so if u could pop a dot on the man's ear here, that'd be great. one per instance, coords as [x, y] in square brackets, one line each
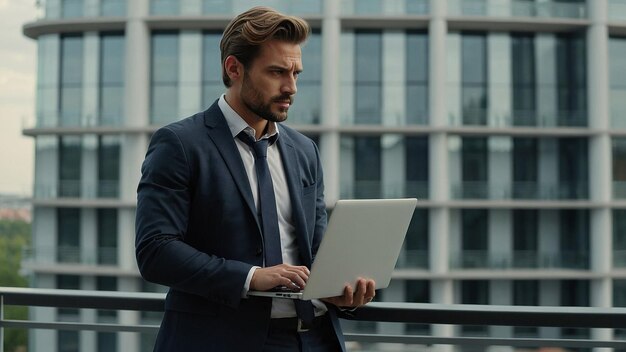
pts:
[233, 68]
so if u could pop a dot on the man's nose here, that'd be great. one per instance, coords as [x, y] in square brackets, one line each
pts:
[289, 86]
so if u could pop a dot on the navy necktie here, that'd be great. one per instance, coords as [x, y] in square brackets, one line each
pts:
[268, 215]
[267, 201]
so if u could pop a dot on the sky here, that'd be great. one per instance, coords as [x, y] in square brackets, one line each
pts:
[18, 70]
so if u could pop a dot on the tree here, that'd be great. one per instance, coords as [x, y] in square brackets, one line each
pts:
[14, 237]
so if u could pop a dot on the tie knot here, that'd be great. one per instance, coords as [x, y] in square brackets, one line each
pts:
[258, 147]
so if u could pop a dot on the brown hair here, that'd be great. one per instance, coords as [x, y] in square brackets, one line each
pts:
[244, 35]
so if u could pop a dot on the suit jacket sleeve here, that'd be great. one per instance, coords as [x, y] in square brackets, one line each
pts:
[163, 203]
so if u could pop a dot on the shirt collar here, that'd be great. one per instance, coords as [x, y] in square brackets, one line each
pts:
[236, 123]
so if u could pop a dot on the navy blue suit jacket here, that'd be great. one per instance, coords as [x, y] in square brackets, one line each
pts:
[196, 230]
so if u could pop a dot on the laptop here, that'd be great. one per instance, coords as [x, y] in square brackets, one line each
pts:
[363, 239]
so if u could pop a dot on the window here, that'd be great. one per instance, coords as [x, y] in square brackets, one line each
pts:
[71, 80]
[68, 236]
[70, 156]
[525, 293]
[474, 167]
[474, 292]
[525, 238]
[368, 77]
[165, 66]
[416, 163]
[307, 105]
[212, 84]
[573, 168]
[525, 168]
[474, 238]
[619, 238]
[417, 77]
[417, 291]
[574, 238]
[617, 76]
[523, 79]
[416, 242]
[111, 79]
[474, 78]
[72, 8]
[107, 236]
[367, 167]
[571, 79]
[108, 166]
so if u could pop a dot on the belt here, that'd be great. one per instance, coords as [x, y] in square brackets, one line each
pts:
[296, 324]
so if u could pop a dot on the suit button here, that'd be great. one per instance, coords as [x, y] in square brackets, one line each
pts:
[259, 251]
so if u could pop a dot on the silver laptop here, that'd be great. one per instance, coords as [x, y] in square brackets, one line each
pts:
[363, 239]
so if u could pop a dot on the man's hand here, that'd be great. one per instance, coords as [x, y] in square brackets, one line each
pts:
[365, 292]
[292, 277]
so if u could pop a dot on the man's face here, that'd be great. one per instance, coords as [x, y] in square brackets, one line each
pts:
[269, 84]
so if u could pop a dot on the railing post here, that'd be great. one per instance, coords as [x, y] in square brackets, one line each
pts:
[1, 323]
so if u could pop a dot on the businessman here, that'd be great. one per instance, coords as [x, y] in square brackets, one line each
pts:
[230, 200]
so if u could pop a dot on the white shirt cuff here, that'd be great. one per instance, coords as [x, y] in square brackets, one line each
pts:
[246, 286]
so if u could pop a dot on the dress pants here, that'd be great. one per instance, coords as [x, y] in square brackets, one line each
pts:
[320, 338]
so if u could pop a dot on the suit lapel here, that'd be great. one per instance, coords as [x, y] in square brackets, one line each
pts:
[292, 174]
[223, 139]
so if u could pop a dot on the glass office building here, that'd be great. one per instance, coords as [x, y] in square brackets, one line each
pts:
[506, 118]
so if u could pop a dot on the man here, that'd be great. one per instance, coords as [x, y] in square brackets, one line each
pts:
[211, 227]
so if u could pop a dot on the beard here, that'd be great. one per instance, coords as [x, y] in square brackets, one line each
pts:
[253, 99]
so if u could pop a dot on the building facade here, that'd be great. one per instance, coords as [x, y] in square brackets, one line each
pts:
[506, 118]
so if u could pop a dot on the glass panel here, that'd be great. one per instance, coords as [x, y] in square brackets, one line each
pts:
[416, 163]
[368, 77]
[112, 79]
[417, 291]
[107, 237]
[474, 167]
[523, 77]
[573, 168]
[571, 80]
[71, 80]
[165, 66]
[525, 168]
[415, 254]
[70, 156]
[108, 166]
[474, 292]
[68, 236]
[212, 85]
[367, 167]
[308, 101]
[619, 238]
[113, 8]
[619, 168]
[574, 238]
[72, 8]
[68, 341]
[617, 76]
[617, 10]
[474, 78]
[525, 238]
[525, 293]
[165, 7]
[417, 77]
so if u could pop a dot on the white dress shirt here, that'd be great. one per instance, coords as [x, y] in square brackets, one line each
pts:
[281, 308]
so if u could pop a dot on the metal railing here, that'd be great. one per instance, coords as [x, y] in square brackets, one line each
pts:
[420, 313]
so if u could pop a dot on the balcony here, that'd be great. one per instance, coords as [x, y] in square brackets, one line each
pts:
[520, 190]
[50, 9]
[376, 189]
[75, 189]
[518, 8]
[483, 316]
[479, 259]
[68, 255]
